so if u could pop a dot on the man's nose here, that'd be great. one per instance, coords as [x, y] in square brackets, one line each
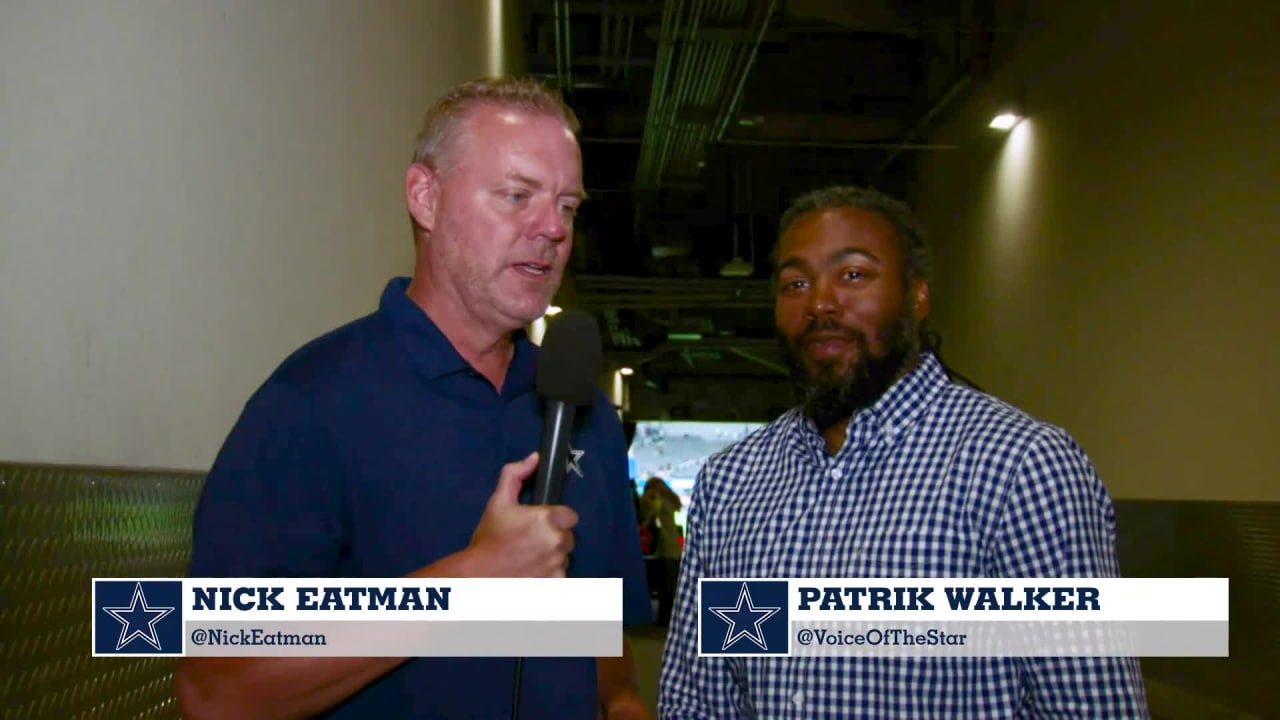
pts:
[551, 222]
[822, 299]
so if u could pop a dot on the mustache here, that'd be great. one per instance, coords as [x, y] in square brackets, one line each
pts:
[828, 327]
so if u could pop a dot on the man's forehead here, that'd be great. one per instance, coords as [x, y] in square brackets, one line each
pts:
[838, 225]
[842, 219]
[499, 118]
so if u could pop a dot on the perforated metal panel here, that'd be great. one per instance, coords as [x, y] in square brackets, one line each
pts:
[1240, 541]
[59, 528]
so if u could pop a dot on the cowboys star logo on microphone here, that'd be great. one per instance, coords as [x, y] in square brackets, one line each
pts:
[743, 617]
[574, 457]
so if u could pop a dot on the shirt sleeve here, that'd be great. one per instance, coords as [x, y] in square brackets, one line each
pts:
[692, 687]
[1059, 521]
[271, 505]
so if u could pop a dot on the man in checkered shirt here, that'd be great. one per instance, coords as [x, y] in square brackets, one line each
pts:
[887, 469]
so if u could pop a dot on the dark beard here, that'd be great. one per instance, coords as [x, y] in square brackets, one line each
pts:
[833, 393]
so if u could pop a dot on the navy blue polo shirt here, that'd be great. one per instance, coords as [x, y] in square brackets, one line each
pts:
[371, 452]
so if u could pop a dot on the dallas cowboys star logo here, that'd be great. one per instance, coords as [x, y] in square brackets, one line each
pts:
[744, 620]
[138, 620]
[574, 457]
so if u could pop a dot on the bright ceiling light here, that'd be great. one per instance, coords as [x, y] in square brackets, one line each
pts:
[625, 371]
[1005, 121]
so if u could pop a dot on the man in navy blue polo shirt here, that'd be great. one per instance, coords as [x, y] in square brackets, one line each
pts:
[398, 445]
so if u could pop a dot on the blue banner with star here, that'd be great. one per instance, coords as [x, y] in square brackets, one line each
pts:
[137, 617]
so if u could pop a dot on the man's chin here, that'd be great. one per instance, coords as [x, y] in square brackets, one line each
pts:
[520, 315]
[526, 305]
[827, 371]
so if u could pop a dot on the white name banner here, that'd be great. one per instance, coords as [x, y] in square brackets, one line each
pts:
[973, 617]
[388, 617]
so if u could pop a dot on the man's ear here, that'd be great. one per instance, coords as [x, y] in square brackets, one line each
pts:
[422, 194]
[920, 301]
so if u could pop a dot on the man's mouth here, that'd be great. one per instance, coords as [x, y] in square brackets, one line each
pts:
[822, 349]
[533, 269]
[825, 344]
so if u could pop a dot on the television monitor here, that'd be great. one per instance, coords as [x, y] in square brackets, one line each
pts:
[676, 451]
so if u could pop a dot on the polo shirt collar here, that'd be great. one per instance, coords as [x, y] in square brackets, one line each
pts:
[431, 352]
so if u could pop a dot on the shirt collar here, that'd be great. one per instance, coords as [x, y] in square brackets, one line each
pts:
[432, 353]
[896, 410]
[908, 398]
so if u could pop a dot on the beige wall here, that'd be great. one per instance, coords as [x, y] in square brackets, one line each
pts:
[188, 191]
[1111, 266]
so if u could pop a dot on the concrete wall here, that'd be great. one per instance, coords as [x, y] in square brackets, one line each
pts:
[1110, 265]
[188, 191]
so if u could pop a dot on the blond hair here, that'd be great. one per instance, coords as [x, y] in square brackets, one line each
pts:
[437, 140]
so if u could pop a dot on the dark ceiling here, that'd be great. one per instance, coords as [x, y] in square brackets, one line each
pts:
[703, 119]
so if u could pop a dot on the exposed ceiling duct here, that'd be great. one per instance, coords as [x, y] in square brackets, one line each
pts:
[597, 292]
[705, 52]
[703, 119]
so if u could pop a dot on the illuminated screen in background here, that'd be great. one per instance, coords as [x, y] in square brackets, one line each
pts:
[675, 451]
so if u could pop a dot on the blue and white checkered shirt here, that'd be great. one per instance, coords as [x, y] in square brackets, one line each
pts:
[934, 480]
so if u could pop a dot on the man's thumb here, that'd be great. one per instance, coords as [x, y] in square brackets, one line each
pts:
[512, 478]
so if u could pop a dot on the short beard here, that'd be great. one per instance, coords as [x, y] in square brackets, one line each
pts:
[832, 394]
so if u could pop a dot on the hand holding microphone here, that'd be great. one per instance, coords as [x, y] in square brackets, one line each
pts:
[514, 540]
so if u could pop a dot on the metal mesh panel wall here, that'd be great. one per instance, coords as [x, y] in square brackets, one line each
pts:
[1237, 540]
[62, 526]
[59, 528]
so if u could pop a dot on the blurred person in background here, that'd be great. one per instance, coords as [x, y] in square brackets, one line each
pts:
[658, 508]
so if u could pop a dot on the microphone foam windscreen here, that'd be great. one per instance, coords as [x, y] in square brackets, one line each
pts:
[569, 360]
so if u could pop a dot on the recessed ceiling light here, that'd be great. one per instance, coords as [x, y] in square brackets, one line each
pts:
[1005, 121]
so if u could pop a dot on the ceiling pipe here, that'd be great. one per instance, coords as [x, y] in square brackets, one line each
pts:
[656, 116]
[591, 303]
[730, 109]
[670, 297]
[836, 145]
[691, 72]
[817, 144]
[559, 42]
[568, 49]
[956, 88]
[777, 367]
[676, 290]
[754, 351]
[611, 280]
[659, 291]
[734, 53]
[626, 55]
[607, 27]
[683, 73]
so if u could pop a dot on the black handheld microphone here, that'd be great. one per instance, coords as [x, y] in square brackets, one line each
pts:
[568, 365]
